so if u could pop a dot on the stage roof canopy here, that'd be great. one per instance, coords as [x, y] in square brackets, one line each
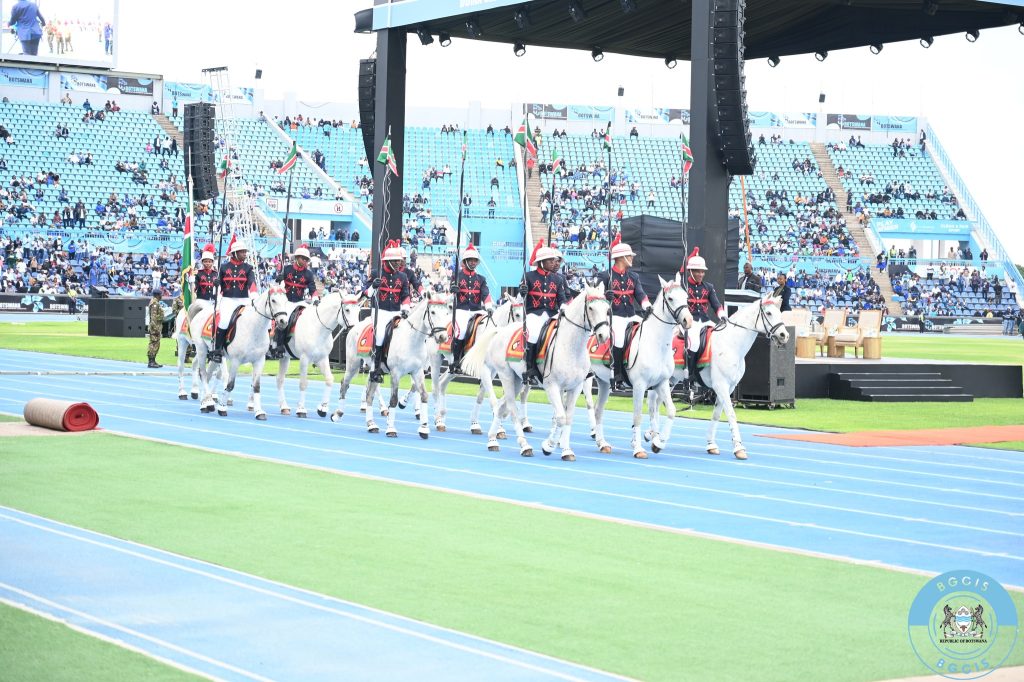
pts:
[661, 28]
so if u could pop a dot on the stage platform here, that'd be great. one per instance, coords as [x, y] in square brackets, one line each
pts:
[816, 377]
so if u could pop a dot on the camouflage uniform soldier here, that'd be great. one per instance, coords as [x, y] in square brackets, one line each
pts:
[156, 327]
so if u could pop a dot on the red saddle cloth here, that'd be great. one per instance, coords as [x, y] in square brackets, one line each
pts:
[514, 350]
[703, 350]
[364, 345]
[474, 326]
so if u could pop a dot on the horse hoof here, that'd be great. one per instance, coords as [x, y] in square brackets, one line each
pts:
[545, 450]
[373, 429]
[568, 457]
[606, 449]
[528, 452]
[640, 454]
[384, 412]
[362, 408]
[740, 454]
[528, 428]
[593, 435]
[182, 396]
[647, 437]
[301, 415]
[222, 413]
[321, 413]
[262, 416]
[501, 435]
[195, 396]
[424, 434]
[285, 411]
[441, 427]
[391, 434]
[416, 414]
[655, 448]
[336, 416]
[493, 447]
[402, 404]
[713, 450]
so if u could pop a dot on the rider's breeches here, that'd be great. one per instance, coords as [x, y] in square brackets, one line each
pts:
[534, 321]
[226, 307]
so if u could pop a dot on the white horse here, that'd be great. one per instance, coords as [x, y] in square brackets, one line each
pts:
[510, 312]
[312, 341]
[183, 339]
[250, 345]
[566, 366]
[410, 349]
[649, 365]
[729, 348]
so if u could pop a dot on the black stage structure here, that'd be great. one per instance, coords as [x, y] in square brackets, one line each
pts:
[691, 30]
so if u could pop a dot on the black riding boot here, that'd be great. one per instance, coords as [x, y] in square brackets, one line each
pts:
[217, 354]
[458, 349]
[532, 376]
[153, 363]
[377, 372]
[276, 351]
[619, 382]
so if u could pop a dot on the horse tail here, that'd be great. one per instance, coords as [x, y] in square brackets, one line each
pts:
[473, 361]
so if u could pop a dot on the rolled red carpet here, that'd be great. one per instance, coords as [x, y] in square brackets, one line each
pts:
[61, 415]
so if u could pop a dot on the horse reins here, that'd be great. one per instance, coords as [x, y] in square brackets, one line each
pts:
[587, 326]
[769, 329]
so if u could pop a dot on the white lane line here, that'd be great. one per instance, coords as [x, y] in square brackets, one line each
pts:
[134, 633]
[83, 535]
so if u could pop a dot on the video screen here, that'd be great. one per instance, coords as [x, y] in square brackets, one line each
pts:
[75, 32]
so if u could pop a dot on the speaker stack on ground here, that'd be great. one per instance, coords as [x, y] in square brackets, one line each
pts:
[120, 316]
[367, 99]
[730, 122]
[200, 147]
[770, 377]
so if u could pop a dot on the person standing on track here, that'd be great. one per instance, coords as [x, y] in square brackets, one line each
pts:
[156, 327]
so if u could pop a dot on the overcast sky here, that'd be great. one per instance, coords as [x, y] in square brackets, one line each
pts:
[972, 94]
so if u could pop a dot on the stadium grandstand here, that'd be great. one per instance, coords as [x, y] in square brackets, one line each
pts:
[855, 224]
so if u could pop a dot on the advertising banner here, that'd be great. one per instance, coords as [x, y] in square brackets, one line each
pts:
[660, 115]
[914, 323]
[591, 113]
[923, 229]
[36, 303]
[764, 119]
[310, 207]
[22, 78]
[238, 96]
[187, 92]
[802, 120]
[548, 112]
[848, 122]
[114, 85]
[894, 124]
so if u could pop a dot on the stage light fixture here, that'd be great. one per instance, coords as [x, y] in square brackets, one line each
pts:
[927, 41]
[930, 7]
[522, 19]
[473, 27]
[773, 61]
[444, 39]
[576, 11]
[628, 6]
[821, 55]
[972, 35]
[876, 48]
[597, 54]
[519, 48]
[424, 35]
[670, 62]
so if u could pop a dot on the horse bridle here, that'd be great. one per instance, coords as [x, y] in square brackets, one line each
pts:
[270, 309]
[587, 325]
[426, 315]
[673, 312]
[769, 329]
[345, 326]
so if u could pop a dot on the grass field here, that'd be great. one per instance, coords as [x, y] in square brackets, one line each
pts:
[620, 598]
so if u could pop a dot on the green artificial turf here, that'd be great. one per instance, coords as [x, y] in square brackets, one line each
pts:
[37, 648]
[1017, 445]
[997, 350]
[649, 604]
[10, 418]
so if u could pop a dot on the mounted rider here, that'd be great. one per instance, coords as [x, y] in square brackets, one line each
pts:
[204, 284]
[237, 282]
[544, 291]
[390, 292]
[701, 296]
[299, 284]
[624, 291]
[472, 298]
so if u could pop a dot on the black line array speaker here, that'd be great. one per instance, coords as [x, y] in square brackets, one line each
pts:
[200, 148]
[770, 376]
[658, 244]
[732, 253]
[367, 100]
[119, 316]
[730, 120]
